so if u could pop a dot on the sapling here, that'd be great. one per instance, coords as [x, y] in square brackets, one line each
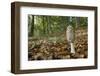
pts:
[70, 37]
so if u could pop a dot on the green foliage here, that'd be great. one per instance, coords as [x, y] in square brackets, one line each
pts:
[52, 26]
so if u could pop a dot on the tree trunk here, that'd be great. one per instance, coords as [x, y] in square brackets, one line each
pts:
[32, 27]
[77, 22]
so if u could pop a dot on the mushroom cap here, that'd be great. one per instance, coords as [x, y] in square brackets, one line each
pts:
[70, 34]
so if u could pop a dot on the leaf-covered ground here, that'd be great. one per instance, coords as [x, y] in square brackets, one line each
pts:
[48, 49]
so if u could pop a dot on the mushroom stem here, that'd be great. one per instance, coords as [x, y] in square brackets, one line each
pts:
[72, 48]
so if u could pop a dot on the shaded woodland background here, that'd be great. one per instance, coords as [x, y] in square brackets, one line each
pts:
[47, 37]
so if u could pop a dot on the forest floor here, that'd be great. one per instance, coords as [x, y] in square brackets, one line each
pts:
[46, 49]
